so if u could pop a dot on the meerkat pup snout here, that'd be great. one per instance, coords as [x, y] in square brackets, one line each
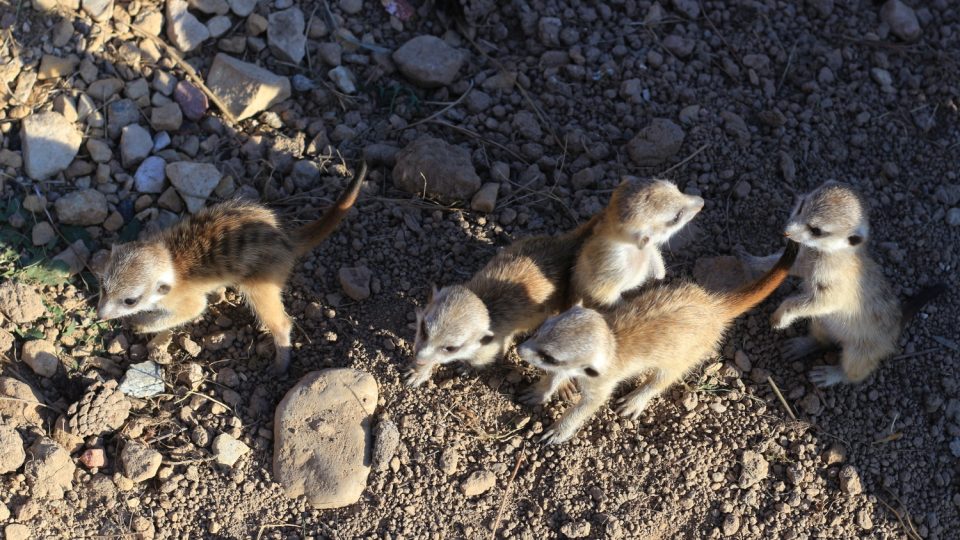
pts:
[844, 293]
[623, 252]
[476, 322]
[161, 282]
[663, 332]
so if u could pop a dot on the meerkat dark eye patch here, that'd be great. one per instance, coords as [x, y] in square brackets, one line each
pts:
[676, 218]
[163, 288]
[547, 359]
[485, 340]
[855, 240]
[591, 372]
[131, 301]
[423, 329]
[816, 231]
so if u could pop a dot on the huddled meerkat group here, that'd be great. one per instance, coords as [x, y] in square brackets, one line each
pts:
[590, 301]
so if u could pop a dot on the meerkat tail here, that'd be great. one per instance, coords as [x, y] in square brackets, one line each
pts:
[914, 304]
[745, 298]
[312, 234]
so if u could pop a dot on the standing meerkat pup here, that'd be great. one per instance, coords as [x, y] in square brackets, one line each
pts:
[623, 252]
[518, 289]
[844, 292]
[666, 330]
[162, 282]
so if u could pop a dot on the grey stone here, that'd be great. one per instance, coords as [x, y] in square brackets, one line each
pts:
[386, 438]
[194, 182]
[246, 89]
[167, 117]
[150, 175]
[428, 61]
[143, 380]
[227, 450]
[12, 455]
[432, 166]
[41, 356]
[99, 10]
[286, 35]
[50, 470]
[139, 462]
[83, 207]
[485, 199]
[20, 303]
[242, 8]
[120, 114]
[355, 281]
[901, 19]
[184, 30]
[49, 142]
[135, 144]
[656, 143]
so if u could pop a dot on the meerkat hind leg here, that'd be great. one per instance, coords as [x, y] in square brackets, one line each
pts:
[634, 403]
[266, 300]
[797, 348]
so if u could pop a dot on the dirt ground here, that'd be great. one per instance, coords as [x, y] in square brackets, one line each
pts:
[773, 97]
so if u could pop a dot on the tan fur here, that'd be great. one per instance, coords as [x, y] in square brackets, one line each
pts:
[623, 252]
[665, 331]
[513, 293]
[161, 282]
[844, 292]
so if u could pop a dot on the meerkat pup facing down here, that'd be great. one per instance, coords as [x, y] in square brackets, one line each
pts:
[623, 252]
[162, 282]
[476, 322]
[844, 292]
[665, 331]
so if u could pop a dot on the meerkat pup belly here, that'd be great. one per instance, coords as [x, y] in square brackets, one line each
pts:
[623, 252]
[662, 333]
[844, 293]
[476, 322]
[161, 282]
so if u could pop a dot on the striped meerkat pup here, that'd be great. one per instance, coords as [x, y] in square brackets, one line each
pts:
[623, 252]
[162, 282]
[665, 331]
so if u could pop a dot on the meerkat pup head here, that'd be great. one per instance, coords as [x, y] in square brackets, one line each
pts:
[137, 276]
[652, 211]
[571, 343]
[454, 325]
[833, 217]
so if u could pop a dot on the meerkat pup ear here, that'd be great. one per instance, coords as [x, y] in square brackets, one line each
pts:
[433, 292]
[163, 289]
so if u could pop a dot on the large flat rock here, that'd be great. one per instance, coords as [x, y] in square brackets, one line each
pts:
[244, 88]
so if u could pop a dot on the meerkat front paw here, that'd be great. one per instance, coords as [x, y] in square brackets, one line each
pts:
[826, 376]
[558, 433]
[799, 347]
[534, 396]
[281, 362]
[632, 406]
[781, 320]
[418, 375]
[568, 392]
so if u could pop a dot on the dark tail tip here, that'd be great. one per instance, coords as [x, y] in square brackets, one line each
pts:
[914, 304]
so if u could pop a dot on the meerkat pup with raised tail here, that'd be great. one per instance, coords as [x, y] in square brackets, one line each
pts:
[844, 292]
[623, 252]
[162, 282]
[476, 322]
[665, 331]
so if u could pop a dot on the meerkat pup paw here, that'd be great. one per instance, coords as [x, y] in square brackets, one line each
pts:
[826, 376]
[558, 433]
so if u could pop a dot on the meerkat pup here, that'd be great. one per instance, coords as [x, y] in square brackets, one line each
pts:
[623, 252]
[844, 292]
[161, 282]
[665, 331]
[476, 322]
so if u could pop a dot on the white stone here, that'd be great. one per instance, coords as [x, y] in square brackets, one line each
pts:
[82, 207]
[194, 182]
[143, 380]
[50, 143]
[286, 35]
[228, 450]
[183, 29]
[150, 175]
[244, 88]
[135, 144]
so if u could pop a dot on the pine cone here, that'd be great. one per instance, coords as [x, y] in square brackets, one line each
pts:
[102, 409]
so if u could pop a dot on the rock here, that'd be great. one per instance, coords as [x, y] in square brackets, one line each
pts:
[386, 438]
[548, 29]
[242, 8]
[219, 25]
[50, 470]
[62, 33]
[788, 168]
[735, 125]
[355, 281]
[742, 361]
[12, 455]
[656, 143]
[193, 102]
[835, 454]
[901, 19]
[6, 341]
[953, 217]
[49, 142]
[449, 461]
[135, 144]
[428, 61]
[344, 79]
[244, 88]
[99, 10]
[850, 480]
[811, 404]
[184, 30]
[99, 150]
[94, 458]
[54, 67]
[167, 117]
[150, 175]
[150, 20]
[485, 199]
[194, 182]
[576, 529]
[322, 437]
[104, 89]
[25, 406]
[20, 303]
[477, 483]
[881, 77]
[731, 524]
[330, 53]
[955, 447]
[754, 469]
[139, 462]
[16, 531]
[143, 380]
[210, 7]
[121, 113]
[680, 47]
[41, 356]
[690, 8]
[191, 376]
[286, 35]
[83, 207]
[227, 450]
[74, 257]
[432, 166]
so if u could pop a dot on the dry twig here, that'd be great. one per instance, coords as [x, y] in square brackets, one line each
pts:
[776, 391]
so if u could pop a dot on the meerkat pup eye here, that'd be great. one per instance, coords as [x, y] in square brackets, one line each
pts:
[131, 301]
[815, 231]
